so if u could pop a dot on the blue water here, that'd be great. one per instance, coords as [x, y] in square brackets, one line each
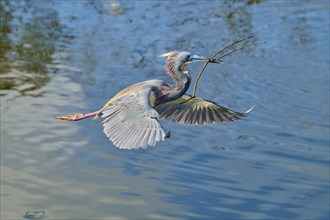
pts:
[60, 57]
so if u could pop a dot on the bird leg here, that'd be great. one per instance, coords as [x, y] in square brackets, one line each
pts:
[76, 116]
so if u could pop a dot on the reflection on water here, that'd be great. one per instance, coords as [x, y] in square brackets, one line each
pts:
[30, 36]
[239, 19]
[61, 57]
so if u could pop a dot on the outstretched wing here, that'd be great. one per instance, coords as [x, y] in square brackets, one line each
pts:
[131, 122]
[188, 110]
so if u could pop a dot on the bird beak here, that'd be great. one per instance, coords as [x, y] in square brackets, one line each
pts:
[195, 58]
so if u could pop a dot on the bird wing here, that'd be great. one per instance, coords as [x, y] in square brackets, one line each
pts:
[188, 110]
[131, 122]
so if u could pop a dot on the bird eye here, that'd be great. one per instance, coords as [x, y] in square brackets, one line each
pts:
[187, 57]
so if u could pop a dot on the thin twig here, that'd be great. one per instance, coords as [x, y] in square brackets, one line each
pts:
[240, 48]
[212, 57]
[199, 76]
[195, 86]
[217, 53]
[232, 44]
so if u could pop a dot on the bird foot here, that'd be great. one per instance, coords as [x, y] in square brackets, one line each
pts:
[168, 135]
[71, 117]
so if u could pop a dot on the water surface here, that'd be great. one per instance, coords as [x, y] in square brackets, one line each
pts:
[61, 57]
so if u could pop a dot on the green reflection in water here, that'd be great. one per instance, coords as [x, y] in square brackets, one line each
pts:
[5, 43]
[239, 18]
[30, 36]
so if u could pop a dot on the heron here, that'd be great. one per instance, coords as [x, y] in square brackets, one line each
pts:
[132, 116]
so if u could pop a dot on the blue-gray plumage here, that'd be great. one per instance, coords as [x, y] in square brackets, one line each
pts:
[132, 116]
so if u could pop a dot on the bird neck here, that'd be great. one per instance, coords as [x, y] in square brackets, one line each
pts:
[182, 81]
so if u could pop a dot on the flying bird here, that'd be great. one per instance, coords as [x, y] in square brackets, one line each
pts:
[132, 116]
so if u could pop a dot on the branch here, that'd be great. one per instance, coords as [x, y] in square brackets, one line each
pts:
[213, 59]
[240, 48]
[232, 44]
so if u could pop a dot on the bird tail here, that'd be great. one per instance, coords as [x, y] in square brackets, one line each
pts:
[76, 116]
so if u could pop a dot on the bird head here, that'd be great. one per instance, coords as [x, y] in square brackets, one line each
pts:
[182, 58]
